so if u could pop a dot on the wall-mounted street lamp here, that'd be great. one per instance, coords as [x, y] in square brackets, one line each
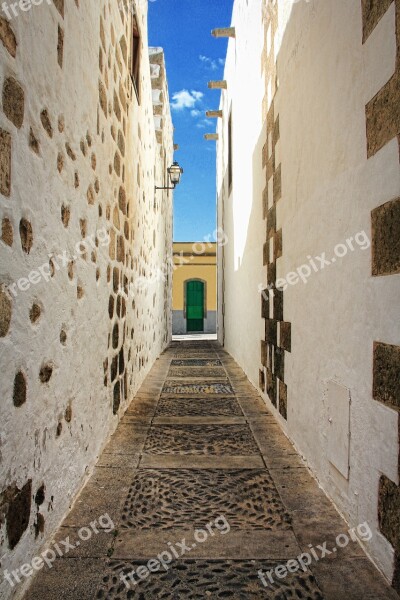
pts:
[175, 173]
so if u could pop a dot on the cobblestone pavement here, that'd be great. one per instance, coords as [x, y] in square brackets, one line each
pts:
[208, 499]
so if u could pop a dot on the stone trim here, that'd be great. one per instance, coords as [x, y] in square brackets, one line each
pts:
[382, 111]
[386, 238]
[382, 125]
[277, 331]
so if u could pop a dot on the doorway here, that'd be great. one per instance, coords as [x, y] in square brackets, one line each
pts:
[195, 305]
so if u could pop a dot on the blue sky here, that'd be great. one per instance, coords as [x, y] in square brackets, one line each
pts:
[193, 57]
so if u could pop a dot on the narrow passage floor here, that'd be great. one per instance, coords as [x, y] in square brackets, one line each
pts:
[206, 498]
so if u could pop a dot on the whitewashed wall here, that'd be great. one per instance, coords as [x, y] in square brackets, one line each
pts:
[92, 174]
[325, 78]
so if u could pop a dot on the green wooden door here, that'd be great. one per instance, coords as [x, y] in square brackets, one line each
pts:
[195, 305]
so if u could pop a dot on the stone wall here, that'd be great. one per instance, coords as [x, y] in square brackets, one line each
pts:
[316, 174]
[81, 231]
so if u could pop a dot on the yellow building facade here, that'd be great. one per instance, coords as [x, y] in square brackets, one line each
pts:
[194, 299]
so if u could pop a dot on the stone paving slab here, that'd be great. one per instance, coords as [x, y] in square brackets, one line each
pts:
[159, 461]
[103, 494]
[216, 420]
[197, 373]
[68, 579]
[276, 545]
[200, 439]
[206, 579]
[161, 499]
[182, 407]
[189, 453]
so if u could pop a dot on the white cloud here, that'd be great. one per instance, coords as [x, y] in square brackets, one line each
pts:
[185, 99]
[204, 123]
[195, 112]
[209, 62]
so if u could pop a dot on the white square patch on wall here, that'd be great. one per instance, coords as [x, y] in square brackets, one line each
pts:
[339, 401]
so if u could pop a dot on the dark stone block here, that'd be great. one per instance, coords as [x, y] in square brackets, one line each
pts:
[271, 222]
[386, 374]
[13, 101]
[271, 331]
[383, 115]
[111, 307]
[271, 387]
[117, 397]
[283, 399]
[277, 184]
[279, 363]
[261, 380]
[264, 353]
[115, 336]
[266, 254]
[372, 12]
[396, 575]
[265, 202]
[271, 273]
[386, 238]
[16, 504]
[278, 244]
[19, 395]
[286, 336]
[278, 304]
[265, 304]
[121, 361]
[114, 368]
[389, 511]
[270, 351]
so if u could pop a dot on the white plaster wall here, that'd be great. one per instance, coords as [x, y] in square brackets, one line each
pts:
[329, 188]
[240, 214]
[29, 448]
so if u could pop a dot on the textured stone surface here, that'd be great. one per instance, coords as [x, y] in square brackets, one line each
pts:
[7, 232]
[15, 507]
[176, 387]
[5, 162]
[386, 238]
[59, 403]
[7, 37]
[386, 374]
[197, 579]
[164, 499]
[270, 514]
[373, 11]
[198, 439]
[13, 101]
[181, 407]
[389, 514]
[5, 312]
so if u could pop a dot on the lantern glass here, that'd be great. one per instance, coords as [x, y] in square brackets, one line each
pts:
[175, 172]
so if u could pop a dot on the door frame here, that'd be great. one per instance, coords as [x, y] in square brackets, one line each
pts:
[185, 297]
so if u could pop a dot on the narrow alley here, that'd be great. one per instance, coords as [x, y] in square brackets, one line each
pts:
[204, 495]
[199, 299]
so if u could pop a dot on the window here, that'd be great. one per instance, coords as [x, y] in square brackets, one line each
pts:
[135, 56]
[230, 172]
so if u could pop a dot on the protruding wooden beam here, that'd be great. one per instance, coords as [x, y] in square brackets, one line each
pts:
[211, 137]
[176, 147]
[217, 85]
[223, 32]
[214, 114]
